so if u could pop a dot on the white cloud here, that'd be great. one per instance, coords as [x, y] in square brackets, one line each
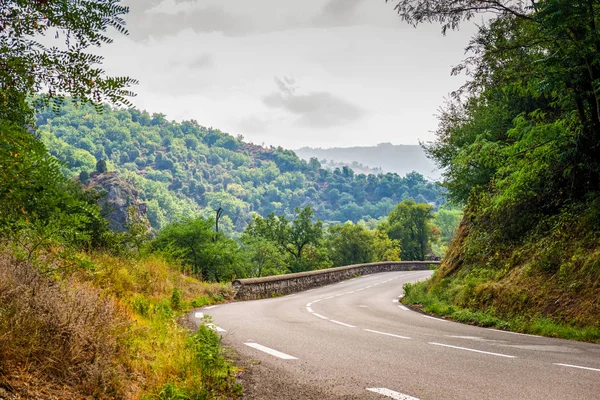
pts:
[360, 77]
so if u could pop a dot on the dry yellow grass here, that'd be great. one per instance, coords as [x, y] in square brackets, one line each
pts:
[102, 326]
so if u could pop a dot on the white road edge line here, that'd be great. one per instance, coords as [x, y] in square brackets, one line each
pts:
[215, 328]
[270, 351]
[342, 323]
[309, 309]
[512, 333]
[473, 350]
[577, 366]
[395, 301]
[404, 308]
[388, 334]
[391, 394]
[437, 319]
[209, 307]
[320, 316]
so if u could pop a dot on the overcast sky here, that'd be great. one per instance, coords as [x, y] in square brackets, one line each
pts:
[319, 73]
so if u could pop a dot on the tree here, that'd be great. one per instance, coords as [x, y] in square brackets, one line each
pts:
[528, 120]
[101, 166]
[138, 228]
[192, 241]
[49, 206]
[350, 244]
[264, 256]
[292, 237]
[410, 224]
[384, 248]
[84, 176]
[29, 66]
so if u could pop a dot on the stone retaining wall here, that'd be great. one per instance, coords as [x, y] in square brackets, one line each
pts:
[277, 285]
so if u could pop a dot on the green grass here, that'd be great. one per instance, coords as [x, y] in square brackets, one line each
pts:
[439, 303]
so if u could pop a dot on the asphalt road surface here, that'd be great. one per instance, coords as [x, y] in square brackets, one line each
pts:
[353, 340]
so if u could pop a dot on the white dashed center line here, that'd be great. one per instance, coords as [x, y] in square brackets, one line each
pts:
[577, 366]
[391, 394]
[209, 307]
[198, 315]
[473, 350]
[388, 334]
[342, 323]
[271, 351]
[404, 308]
[310, 310]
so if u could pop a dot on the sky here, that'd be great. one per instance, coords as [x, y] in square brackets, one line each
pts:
[318, 73]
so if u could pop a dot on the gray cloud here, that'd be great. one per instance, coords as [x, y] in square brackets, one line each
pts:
[314, 109]
[203, 61]
[161, 18]
[338, 13]
[211, 18]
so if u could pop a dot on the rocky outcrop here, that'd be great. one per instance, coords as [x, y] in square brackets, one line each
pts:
[118, 196]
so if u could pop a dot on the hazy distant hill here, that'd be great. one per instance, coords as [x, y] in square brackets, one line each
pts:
[400, 159]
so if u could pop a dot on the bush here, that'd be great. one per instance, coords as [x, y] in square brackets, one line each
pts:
[68, 333]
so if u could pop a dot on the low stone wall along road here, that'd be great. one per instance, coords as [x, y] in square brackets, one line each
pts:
[277, 285]
[354, 340]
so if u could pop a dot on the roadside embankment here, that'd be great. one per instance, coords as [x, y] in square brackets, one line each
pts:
[271, 286]
[547, 284]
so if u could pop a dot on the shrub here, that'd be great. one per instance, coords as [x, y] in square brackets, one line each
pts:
[66, 332]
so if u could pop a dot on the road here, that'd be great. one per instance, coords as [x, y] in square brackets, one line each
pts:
[353, 340]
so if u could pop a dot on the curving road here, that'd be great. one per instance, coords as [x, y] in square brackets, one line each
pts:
[353, 340]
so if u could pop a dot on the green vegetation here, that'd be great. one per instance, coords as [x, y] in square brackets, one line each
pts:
[519, 144]
[441, 300]
[90, 307]
[185, 170]
[84, 312]
[209, 255]
[410, 224]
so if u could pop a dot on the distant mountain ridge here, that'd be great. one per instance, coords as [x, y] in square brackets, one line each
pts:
[400, 159]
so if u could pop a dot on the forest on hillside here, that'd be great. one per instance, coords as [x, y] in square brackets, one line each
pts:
[182, 169]
[520, 146]
[92, 309]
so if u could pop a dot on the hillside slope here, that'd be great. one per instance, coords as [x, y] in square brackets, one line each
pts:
[546, 283]
[185, 169]
[520, 144]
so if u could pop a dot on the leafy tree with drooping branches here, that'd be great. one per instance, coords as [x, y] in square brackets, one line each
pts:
[34, 195]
